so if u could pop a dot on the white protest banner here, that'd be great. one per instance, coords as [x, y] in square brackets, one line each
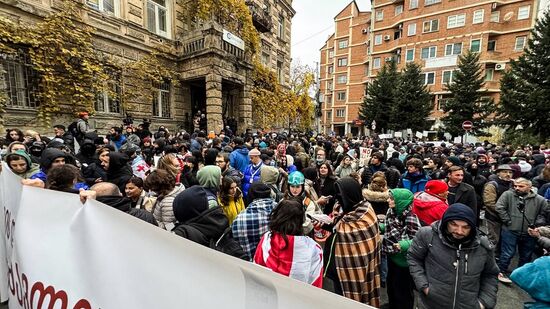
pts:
[418, 134]
[385, 136]
[63, 254]
[364, 156]
[398, 134]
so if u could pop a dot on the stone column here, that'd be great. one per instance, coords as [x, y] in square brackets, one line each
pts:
[245, 110]
[214, 102]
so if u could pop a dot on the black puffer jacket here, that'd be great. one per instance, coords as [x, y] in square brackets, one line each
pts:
[196, 221]
[432, 259]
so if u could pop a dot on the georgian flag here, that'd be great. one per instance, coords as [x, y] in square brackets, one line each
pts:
[301, 259]
[140, 168]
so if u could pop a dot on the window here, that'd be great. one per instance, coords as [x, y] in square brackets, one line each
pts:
[341, 112]
[428, 2]
[342, 62]
[280, 72]
[447, 77]
[453, 49]
[478, 16]
[411, 30]
[265, 59]
[329, 115]
[455, 21]
[409, 55]
[520, 43]
[281, 29]
[378, 39]
[108, 100]
[107, 6]
[399, 9]
[329, 99]
[491, 45]
[413, 4]
[330, 69]
[523, 12]
[342, 79]
[429, 78]
[329, 85]
[157, 17]
[341, 96]
[161, 101]
[19, 81]
[331, 54]
[489, 73]
[430, 26]
[376, 63]
[441, 102]
[428, 52]
[379, 15]
[343, 44]
[495, 16]
[475, 45]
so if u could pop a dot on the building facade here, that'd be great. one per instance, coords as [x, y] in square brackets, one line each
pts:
[344, 70]
[434, 33]
[214, 70]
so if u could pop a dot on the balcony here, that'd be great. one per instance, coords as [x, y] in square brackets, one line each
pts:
[260, 17]
[209, 39]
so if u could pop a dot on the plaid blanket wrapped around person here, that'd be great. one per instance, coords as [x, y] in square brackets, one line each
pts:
[357, 255]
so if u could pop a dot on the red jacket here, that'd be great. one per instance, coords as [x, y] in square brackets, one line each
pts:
[428, 208]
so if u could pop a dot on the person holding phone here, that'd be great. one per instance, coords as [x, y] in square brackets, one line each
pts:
[324, 185]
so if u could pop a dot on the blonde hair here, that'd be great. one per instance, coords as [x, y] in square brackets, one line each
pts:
[165, 163]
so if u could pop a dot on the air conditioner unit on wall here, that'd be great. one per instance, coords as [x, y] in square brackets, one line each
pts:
[387, 38]
[500, 66]
[388, 59]
[365, 30]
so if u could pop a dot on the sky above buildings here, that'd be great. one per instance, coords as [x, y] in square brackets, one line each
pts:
[313, 24]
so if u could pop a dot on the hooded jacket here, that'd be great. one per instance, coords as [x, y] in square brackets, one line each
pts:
[124, 204]
[209, 178]
[48, 156]
[86, 154]
[239, 158]
[401, 227]
[196, 221]
[32, 168]
[415, 183]
[538, 166]
[458, 275]
[428, 208]
[119, 171]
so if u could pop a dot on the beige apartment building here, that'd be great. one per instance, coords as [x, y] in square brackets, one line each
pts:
[434, 33]
[213, 65]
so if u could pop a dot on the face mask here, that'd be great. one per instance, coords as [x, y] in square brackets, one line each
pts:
[319, 161]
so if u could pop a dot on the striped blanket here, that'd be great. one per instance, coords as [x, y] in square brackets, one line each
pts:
[357, 255]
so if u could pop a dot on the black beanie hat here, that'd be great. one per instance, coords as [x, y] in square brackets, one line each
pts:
[459, 211]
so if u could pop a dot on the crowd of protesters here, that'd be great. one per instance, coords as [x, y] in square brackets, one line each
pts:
[443, 220]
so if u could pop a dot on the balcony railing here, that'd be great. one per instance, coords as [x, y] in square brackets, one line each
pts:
[208, 39]
[260, 17]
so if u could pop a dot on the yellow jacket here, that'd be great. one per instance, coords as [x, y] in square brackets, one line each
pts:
[233, 208]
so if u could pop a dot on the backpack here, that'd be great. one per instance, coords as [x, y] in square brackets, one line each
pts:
[278, 194]
[73, 129]
[228, 245]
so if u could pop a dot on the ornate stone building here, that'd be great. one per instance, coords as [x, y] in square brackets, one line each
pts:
[215, 70]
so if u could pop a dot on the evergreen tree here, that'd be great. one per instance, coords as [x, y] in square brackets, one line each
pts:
[525, 89]
[380, 99]
[412, 103]
[467, 102]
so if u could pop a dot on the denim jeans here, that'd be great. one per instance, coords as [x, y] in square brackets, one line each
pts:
[508, 242]
[383, 267]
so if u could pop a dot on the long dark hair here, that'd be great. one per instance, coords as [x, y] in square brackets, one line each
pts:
[287, 219]
[330, 173]
[227, 181]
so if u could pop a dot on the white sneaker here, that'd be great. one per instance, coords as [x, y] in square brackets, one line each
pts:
[504, 279]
